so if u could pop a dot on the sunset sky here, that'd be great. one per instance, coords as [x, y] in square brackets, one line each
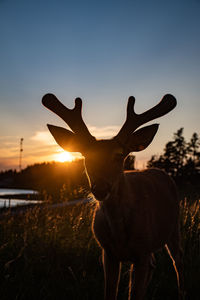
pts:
[102, 51]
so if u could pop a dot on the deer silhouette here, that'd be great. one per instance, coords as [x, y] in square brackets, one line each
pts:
[137, 212]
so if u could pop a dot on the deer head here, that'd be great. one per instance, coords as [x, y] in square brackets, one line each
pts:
[104, 158]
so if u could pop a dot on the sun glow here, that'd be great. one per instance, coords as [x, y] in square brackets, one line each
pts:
[64, 157]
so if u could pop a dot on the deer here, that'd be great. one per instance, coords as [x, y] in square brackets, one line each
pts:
[137, 212]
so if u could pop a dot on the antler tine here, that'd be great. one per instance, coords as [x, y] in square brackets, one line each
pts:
[133, 120]
[72, 117]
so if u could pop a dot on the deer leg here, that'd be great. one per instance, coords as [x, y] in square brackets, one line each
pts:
[175, 252]
[140, 278]
[111, 276]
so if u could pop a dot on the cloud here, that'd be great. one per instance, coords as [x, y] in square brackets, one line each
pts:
[38, 148]
[43, 137]
[5, 137]
[9, 146]
[41, 146]
[104, 132]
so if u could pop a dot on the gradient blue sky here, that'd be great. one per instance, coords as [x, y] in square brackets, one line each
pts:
[103, 52]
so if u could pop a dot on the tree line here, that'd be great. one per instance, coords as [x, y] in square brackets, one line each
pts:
[60, 181]
[180, 159]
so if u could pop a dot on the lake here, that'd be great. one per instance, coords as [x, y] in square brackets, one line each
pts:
[11, 202]
[16, 192]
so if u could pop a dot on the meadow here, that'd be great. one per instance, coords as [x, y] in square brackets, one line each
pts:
[52, 254]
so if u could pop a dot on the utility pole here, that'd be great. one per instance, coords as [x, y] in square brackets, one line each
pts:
[20, 154]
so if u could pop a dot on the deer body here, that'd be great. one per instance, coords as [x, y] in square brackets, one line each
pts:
[137, 212]
[137, 224]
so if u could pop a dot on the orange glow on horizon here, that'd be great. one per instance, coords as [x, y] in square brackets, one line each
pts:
[64, 157]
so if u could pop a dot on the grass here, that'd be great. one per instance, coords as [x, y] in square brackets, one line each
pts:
[51, 254]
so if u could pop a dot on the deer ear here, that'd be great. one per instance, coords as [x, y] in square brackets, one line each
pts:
[141, 138]
[65, 138]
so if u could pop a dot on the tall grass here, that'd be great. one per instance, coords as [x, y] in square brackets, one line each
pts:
[164, 284]
[51, 254]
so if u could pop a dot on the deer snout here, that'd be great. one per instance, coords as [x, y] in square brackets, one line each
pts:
[101, 190]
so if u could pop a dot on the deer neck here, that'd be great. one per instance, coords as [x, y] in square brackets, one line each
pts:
[114, 199]
[113, 211]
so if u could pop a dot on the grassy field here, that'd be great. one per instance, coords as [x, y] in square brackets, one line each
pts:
[51, 254]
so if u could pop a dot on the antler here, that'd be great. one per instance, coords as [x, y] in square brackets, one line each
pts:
[72, 117]
[133, 120]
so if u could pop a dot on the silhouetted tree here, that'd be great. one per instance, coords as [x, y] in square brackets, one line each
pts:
[180, 159]
[193, 153]
[193, 148]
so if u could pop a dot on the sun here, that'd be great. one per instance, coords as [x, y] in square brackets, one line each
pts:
[64, 157]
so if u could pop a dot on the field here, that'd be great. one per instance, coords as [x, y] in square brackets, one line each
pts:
[51, 254]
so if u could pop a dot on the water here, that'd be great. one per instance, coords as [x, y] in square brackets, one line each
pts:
[11, 202]
[15, 192]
